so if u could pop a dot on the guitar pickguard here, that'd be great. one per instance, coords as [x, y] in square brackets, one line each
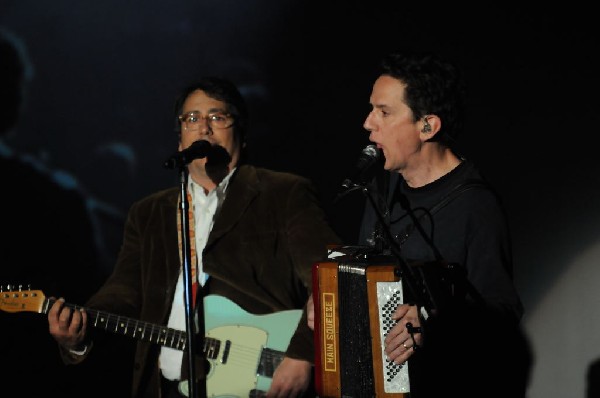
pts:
[235, 370]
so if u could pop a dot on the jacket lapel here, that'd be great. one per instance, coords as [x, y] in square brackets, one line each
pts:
[243, 188]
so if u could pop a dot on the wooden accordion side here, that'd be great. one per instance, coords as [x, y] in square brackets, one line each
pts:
[354, 301]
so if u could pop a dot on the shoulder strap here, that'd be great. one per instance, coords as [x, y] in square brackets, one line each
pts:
[457, 191]
[450, 196]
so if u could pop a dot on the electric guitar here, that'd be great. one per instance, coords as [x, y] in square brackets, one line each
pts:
[242, 349]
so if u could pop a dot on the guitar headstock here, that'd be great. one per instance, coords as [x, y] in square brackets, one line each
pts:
[19, 300]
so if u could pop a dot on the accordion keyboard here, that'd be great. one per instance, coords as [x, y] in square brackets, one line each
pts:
[389, 296]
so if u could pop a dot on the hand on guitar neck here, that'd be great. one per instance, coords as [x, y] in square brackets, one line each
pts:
[68, 326]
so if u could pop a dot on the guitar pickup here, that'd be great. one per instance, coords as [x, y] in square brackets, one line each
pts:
[213, 346]
[226, 351]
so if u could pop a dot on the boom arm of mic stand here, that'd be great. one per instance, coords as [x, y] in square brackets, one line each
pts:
[187, 284]
[407, 273]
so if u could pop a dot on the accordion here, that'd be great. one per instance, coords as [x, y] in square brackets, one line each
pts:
[354, 300]
[355, 294]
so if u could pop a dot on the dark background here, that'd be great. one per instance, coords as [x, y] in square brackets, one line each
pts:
[106, 75]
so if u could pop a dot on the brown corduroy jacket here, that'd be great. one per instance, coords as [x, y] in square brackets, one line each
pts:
[268, 234]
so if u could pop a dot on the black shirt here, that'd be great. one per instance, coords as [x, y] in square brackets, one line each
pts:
[469, 229]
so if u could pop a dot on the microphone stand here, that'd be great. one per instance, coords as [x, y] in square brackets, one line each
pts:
[188, 284]
[406, 271]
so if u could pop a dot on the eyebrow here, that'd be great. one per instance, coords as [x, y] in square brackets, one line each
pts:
[212, 110]
[381, 106]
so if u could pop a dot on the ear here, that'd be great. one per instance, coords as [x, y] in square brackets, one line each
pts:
[430, 125]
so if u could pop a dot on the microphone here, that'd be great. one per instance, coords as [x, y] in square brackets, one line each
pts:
[198, 150]
[368, 157]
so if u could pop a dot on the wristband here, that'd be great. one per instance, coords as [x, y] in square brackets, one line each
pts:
[79, 352]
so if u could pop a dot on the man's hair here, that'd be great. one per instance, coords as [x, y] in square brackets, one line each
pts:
[432, 86]
[15, 72]
[222, 90]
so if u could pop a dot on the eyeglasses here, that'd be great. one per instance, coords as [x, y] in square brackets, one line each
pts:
[216, 120]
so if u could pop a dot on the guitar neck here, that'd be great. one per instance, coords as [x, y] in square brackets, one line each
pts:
[136, 329]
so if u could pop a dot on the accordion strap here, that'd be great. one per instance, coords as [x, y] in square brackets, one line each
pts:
[449, 197]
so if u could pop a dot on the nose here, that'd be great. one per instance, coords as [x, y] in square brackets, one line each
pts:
[205, 127]
[367, 124]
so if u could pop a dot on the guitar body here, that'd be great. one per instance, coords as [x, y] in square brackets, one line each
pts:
[236, 372]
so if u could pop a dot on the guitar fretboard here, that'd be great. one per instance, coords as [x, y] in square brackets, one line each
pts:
[140, 330]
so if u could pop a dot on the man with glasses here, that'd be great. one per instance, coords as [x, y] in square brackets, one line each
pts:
[254, 236]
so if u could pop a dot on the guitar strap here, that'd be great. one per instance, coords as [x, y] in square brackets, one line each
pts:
[192, 233]
[194, 271]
